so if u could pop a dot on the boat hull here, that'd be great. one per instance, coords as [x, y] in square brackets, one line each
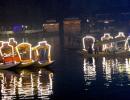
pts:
[8, 66]
[37, 64]
[24, 65]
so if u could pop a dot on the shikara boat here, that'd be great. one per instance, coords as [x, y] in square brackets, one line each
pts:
[25, 54]
[7, 55]
[42, 54]
[13, 43]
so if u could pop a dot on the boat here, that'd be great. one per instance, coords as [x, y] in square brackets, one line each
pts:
[25, 54]
[7, 54]
[13, 43]
[106, 47]
[42, 54]
[88, 41]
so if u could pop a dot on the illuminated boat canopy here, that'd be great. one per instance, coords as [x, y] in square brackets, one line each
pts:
[24, 51]
[12, 42]
[88, 37]
[120, 35]
[44, 45]
[9, 49]
[106, 36]
[127, 43]
[106, 46]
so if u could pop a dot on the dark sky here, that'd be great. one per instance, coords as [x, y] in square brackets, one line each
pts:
[36, 10]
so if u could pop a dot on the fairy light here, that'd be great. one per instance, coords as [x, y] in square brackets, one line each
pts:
[12, 42]
[120, 35]
[106, 36]
[6, 44]
[127, 45]
[88, 37]
[44, 44]
[21, 45]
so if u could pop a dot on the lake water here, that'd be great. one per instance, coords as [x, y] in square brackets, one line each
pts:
[71, 77]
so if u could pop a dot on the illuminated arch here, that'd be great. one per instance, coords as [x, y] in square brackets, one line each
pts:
[30, 50]
[41, 44]
[88, 37]
[120, 35]
[127, 45]
[6, 43]
[12, 40]
[106, 36]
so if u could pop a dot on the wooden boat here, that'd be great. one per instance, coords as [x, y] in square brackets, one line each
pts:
[42, 54]
[25, 54]
[7, 54]
[13, 43]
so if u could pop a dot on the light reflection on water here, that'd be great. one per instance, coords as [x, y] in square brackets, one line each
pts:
[110, 72]
[26, 84]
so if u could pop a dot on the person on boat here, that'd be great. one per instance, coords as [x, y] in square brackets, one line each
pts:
[43, 55]
[90, 50]
[96, 49]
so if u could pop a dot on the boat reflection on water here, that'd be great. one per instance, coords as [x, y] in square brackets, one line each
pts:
[26, 84]
[116, 71]
[107, 72]
[89, 70]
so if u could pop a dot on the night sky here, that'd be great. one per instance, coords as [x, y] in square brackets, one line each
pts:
[29, 11]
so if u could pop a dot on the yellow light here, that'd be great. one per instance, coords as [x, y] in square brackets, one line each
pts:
[30, 48]
[44, 44]
[12, 40]
[88, 37]
[4, 44]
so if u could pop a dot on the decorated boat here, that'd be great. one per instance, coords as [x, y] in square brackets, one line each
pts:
[42, 54]
[13, 43]
[106, 47]
[1, 60]
[25, 54]
[7, 54]
[119, 44]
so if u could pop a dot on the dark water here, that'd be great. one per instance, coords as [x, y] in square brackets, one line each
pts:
[71, 77]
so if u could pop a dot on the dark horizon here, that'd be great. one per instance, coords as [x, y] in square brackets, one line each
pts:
[30, 11]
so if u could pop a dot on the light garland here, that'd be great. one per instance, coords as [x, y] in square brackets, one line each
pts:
[88, 37]
[30, 50]
[44, 44]
[106, 36]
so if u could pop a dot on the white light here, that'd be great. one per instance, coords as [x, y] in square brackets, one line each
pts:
[120, 35]
[5, 54]
[106, 36]
[88, 37]
[127, 45]
[106, 22]
[44, 44]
